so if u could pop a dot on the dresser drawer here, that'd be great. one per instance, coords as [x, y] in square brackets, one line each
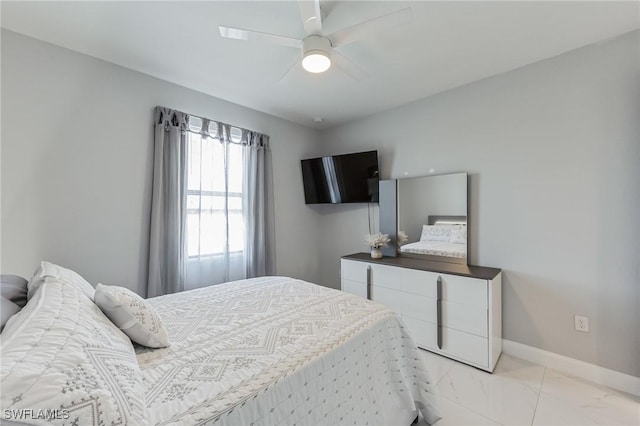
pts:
[419, 282]
[392, 299]
[354, 287]
[468, 291]
[354, 271]
[424, 334]
[467, 318]
[420, 307]
[386, 276]
[465, 346]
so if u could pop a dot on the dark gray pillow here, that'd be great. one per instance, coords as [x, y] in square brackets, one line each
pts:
[7, 310]
[14, 288]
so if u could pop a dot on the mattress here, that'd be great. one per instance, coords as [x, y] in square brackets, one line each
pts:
[436, 248]
[276, 350]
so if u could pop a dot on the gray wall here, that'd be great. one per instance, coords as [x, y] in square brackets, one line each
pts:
[553, 152]
[77, 160]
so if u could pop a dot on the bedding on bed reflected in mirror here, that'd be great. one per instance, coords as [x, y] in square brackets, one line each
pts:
[432, 213]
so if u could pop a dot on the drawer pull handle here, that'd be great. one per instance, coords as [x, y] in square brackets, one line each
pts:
[369, 282]
[439, 310]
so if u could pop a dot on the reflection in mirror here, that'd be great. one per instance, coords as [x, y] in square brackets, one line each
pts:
[432, 214]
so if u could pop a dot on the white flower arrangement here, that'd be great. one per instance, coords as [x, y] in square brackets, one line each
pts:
[377, 240]
[402, 237]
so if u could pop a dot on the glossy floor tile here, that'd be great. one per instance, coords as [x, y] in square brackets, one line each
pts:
[522, 393]
[569, 400]
[438, 365]
[454, 414]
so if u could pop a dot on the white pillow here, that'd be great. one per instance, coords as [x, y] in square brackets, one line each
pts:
[436, 233]
[62, 355]
[133, 315]
[459, 235]
[67, 276]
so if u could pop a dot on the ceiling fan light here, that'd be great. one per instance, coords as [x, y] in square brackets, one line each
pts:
[316, 61]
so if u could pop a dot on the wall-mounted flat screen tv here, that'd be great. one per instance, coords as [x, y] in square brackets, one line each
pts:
[349, 178]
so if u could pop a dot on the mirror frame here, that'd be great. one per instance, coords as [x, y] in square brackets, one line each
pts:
[390, 217]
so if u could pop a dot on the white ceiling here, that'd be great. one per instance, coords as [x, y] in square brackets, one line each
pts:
[446, 45]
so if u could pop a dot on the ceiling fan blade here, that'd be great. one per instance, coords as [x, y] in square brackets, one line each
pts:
[351, 69]
[241, 34]
[311, 16]
[286, 77]
[364, 29]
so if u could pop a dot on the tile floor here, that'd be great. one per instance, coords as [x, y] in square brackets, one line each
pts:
[521, 393]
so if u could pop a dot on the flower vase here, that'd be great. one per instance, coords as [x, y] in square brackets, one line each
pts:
[376, 253]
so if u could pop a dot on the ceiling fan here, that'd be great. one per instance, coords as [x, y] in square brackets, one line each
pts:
[319, 50]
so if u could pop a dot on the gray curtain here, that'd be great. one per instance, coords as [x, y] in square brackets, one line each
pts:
[257, 206]
[178, 140]
[167, 269]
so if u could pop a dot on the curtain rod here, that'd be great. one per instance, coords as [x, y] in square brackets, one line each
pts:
[209, 119]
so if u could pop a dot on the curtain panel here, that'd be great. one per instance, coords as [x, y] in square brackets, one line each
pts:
[212, 212]
[167, 237]
[259, 220]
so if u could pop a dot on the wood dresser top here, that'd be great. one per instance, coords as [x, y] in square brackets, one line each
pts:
[470, 271]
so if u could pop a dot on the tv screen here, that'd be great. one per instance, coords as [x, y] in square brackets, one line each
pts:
[349, 178]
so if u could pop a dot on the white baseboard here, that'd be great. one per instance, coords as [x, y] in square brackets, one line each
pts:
[600, 375]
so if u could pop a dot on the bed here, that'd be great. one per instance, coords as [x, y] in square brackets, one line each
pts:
[441, 236]
[271, 350]
[436, 248]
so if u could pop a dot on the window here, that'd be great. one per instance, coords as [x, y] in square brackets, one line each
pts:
[212, 193]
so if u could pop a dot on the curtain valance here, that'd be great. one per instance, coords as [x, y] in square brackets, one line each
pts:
[209, 128]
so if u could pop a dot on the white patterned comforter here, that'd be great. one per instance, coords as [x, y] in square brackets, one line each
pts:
[277, 350]
[436, 248]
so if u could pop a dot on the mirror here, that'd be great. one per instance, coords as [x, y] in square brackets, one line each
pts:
[432, 213]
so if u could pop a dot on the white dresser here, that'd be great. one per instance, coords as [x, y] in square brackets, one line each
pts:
[450, 309]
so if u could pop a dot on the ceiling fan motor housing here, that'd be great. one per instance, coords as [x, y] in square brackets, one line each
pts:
[316, 44]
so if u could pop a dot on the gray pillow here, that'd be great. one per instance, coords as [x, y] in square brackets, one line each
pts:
[14, 288]
[7, 310]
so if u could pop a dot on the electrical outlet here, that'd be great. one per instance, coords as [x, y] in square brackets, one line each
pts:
[581, 323]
